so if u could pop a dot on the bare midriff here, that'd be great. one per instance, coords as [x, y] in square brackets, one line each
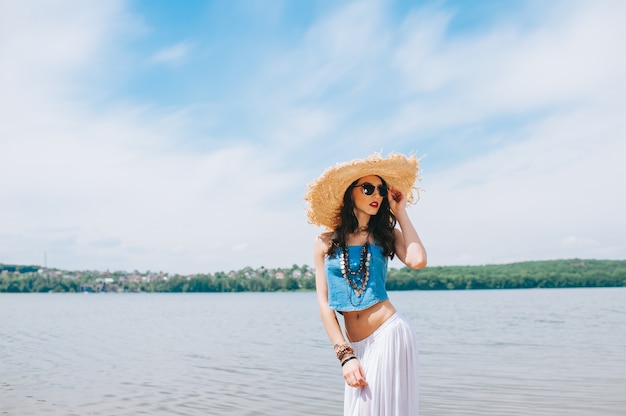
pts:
[361, 324]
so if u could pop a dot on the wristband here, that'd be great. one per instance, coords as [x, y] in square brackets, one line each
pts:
[348, 359]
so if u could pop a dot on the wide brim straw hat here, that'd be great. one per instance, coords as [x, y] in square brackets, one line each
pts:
[325, 194]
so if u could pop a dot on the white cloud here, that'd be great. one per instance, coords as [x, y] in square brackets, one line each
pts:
[303, 124]
[563, 61]
[136, 186]
[518, 202]
[111, 188]
[172, 55]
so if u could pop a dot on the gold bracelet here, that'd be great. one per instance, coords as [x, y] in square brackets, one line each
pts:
[343, 350]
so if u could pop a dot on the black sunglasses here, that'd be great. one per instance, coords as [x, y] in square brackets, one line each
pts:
[368, 189]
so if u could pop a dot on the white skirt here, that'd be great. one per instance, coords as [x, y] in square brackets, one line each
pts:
[389, 359]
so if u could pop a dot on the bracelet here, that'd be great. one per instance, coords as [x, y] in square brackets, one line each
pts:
[342, 345]
[343, 350]
[347, 358]
[352, 357]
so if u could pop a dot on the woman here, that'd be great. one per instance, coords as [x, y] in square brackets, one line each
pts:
[363, 204]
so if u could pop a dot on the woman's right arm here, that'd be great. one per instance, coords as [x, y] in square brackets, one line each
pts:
[329, 318]
[353, 373]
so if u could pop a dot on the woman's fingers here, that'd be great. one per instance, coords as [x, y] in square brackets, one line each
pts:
[355, 377]
[396, 194]
[361, 377]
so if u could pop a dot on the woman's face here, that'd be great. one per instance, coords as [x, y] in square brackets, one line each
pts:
[366, 194]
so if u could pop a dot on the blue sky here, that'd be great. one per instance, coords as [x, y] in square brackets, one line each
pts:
[180, 136]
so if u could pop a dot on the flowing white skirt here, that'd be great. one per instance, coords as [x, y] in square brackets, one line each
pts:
[389, 358]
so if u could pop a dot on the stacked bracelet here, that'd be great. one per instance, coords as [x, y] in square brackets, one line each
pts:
[347, 358]
[344, 353]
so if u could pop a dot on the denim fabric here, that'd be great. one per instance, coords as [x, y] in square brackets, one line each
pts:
[341, 296]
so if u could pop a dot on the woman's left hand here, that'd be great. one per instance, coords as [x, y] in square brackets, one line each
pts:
[397, 200]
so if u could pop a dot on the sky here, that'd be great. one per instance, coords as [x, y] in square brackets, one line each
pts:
[180, 136]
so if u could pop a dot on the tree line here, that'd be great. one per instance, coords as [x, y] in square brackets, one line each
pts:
[523, 275]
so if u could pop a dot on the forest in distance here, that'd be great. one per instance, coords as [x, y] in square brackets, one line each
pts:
[523, 275]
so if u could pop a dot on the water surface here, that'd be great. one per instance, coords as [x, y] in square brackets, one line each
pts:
[500, 352]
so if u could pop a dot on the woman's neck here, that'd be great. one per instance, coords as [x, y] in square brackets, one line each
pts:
[363, 220]
[359, 236]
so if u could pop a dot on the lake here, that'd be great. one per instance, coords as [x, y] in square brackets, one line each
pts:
[499, 352]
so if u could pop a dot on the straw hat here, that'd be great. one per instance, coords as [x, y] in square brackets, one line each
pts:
[325, 194]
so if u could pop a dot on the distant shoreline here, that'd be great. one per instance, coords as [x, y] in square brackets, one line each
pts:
[523, 275]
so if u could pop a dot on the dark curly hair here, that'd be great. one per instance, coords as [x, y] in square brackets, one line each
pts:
[381, 225]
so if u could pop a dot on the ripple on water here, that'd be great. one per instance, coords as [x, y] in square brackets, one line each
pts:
[551, 352]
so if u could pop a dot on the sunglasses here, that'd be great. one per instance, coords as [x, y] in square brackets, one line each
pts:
[368, 189]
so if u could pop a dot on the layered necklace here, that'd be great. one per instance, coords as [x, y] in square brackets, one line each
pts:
[356, 279]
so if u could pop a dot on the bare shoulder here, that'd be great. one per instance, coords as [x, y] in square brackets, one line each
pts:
[326, 238]
[322, 242]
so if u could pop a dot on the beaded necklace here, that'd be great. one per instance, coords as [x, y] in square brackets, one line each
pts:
[362, 273]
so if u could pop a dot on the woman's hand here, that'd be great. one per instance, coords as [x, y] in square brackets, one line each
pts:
[353, 374]
[397, 200]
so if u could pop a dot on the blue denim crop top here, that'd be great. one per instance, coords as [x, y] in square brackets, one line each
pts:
[341, 296]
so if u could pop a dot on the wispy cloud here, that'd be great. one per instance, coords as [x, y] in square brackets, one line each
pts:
[173, 55]
[522, 125]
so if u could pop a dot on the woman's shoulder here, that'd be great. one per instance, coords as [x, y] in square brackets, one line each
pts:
[325, 240]
[321, 244]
